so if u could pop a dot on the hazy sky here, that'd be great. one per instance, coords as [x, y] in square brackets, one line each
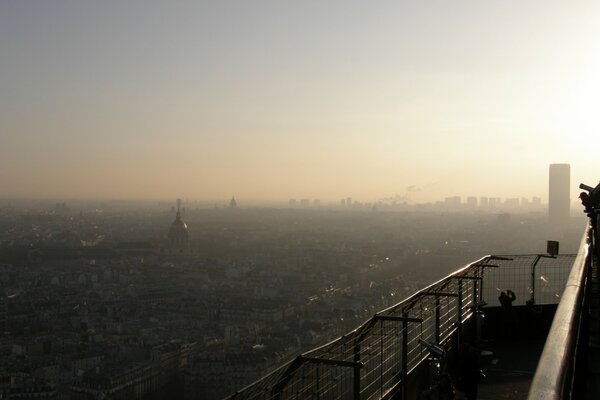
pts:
[281, 99]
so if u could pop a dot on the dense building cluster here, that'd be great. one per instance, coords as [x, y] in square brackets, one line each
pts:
[104, 302]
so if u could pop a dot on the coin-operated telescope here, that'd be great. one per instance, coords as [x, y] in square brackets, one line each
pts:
[434, 349]
[590, 198]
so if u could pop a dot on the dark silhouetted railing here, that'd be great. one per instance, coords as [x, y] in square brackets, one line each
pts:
[562, 371]
[382, 356]
[554, 377]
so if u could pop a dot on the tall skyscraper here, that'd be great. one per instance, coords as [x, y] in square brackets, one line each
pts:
[559, 201]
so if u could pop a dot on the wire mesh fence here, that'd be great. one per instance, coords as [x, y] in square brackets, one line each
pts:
[377, 357]
[535, 279]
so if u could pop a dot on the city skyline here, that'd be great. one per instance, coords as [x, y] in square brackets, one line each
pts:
[448, 203]
[268, 101]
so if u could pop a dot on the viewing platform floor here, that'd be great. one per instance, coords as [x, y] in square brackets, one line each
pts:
[509, 368]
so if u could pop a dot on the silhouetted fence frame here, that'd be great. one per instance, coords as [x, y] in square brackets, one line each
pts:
[375, 360]
[562, 371]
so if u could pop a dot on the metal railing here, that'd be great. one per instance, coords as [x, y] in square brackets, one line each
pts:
[377, 358]
[564, 356]
[554, 374]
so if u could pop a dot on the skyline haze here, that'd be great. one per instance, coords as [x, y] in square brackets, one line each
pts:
[270, 101]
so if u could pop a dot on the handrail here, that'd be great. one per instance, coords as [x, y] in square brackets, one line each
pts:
[348, 347]
[387, 344]
[555, 367]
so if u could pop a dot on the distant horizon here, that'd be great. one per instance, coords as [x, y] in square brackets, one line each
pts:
[243, 202]
[406, 197]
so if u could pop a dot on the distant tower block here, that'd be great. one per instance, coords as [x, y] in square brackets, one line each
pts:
[178, 233]
[559, 201]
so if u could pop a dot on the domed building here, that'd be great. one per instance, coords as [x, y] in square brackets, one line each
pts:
[178, 233]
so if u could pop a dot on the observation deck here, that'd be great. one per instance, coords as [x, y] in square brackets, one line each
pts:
[545, 347]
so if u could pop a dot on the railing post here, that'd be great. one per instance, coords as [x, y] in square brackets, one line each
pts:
[595, 217]
[533, 265]
[357, 352]
[474, 322]
[404, 356]
[356, 383]
[356, 387]
[437, 310]
[460, 301]
[437, 319]
[475, 282]
[381, 351]
[318, 383]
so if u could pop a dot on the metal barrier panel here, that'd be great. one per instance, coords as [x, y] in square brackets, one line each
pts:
[382, 348]
[513, 274]
[448, 311]
[550, 277]
[319, 381]
[377, 356]
[530, 277]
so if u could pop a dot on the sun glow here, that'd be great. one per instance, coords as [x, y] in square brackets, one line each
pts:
[577, 118]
